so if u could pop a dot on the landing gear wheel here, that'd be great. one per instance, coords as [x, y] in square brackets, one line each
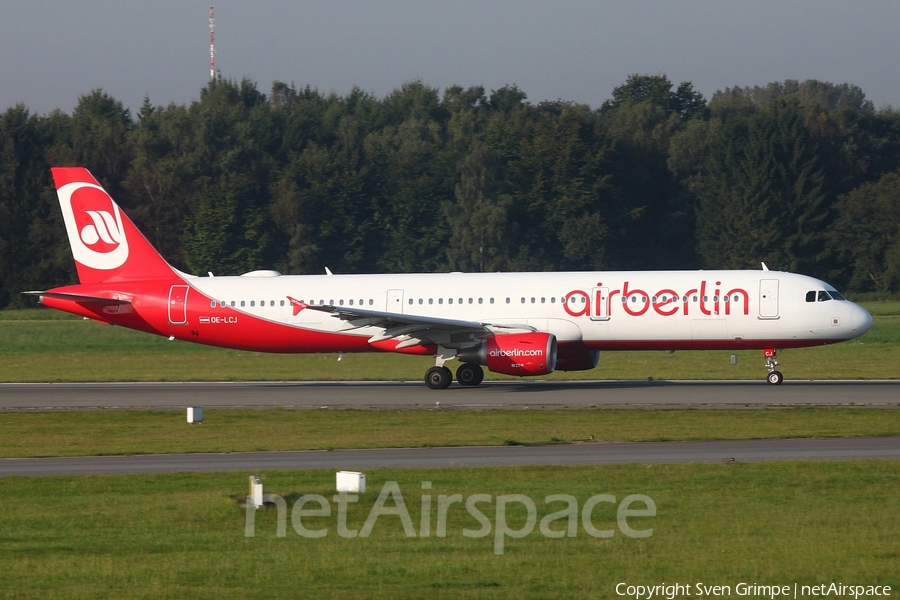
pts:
[469, 375]
[775, 377]
[438, 378]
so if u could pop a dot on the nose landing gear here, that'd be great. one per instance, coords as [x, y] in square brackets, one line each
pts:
[774, 377]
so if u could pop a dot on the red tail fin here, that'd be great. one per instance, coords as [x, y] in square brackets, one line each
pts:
[105, 243]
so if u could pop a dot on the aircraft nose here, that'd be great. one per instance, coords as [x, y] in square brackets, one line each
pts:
[860, 320]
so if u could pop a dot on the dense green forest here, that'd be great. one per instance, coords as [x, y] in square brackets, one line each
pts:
[802, 175]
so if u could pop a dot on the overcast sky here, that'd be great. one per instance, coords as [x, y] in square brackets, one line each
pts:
[53, 51]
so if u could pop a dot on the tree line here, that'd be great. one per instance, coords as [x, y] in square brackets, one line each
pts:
[801, 175]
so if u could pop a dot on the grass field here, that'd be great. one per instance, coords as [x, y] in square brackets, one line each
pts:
[183, 536]
[160, 432]
[45, 345]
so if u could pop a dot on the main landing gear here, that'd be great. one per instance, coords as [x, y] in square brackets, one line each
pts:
[440, 377]
[774, 377]
[469, 375]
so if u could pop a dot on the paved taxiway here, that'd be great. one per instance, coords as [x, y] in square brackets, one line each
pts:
[563, 454]
[411, 395]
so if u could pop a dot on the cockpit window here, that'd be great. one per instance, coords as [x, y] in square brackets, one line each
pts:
[836, 295]
[823, 296]
[811, 296]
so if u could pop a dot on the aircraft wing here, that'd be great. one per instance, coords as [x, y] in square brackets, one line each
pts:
[412, 330]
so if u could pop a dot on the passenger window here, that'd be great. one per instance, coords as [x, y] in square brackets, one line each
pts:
[212, 304]
[823, 296]
[253, 303]
[440, 300]
[243, 303]
[449, 300]
[811, 296]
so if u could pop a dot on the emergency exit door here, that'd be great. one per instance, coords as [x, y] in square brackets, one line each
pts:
[178, 305]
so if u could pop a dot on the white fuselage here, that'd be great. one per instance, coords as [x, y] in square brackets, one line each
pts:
[611, 310]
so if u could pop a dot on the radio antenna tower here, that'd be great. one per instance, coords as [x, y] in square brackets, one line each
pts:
[212, 44]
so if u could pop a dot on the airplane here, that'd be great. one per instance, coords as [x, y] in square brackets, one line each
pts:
[524, 324]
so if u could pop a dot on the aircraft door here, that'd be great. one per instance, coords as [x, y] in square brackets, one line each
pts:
[768, 299]
[600, 304]
[178, 304]
[394, 301]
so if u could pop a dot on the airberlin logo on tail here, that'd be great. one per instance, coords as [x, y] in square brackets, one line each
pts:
[94, 225]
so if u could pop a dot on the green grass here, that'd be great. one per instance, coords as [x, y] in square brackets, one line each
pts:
[44, 345]
[182, 535]
[148, 432]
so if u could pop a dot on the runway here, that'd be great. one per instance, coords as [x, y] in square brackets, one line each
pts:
[413, 395]
[739, 451]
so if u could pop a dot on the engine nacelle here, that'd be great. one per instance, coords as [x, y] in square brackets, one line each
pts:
[571, 359]
[515, 353]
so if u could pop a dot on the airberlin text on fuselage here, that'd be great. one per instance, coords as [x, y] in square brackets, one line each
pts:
[603, 302]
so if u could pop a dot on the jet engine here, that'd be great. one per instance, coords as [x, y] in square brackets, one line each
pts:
[514, 353]
[572, 359]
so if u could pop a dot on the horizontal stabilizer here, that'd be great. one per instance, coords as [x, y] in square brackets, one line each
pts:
[80, 298]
